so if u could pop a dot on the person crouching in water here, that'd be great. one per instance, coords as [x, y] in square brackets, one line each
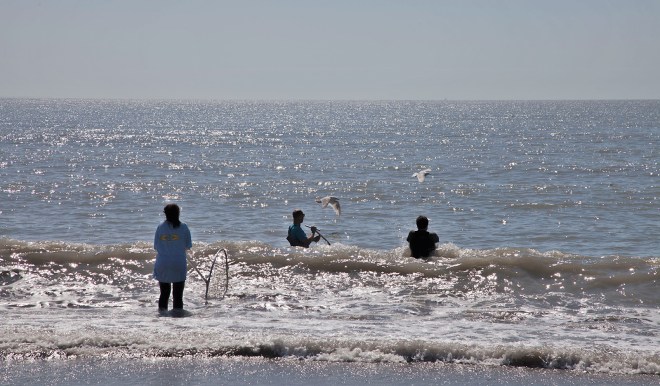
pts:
[422, 242]
[296, 235]
[171, 242]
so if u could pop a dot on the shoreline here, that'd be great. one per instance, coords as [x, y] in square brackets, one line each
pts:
[283, 371]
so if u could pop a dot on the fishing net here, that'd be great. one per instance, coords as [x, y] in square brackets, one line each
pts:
[214, 271]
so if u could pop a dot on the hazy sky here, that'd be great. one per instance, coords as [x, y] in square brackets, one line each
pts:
[331, 49]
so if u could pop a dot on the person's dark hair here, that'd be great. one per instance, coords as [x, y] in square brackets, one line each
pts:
[422, 222]
[172, 212]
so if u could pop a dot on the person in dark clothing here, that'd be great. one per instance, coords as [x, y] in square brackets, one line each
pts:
[422, 242]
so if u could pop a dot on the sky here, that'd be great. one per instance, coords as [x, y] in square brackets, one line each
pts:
[330, 49]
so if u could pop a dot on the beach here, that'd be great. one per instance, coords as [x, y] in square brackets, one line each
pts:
[186, 371]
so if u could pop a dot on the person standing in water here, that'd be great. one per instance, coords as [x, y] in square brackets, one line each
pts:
[296, 235]
[171, 242]
[422, 242]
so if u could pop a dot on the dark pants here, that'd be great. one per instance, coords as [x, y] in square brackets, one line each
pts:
[177, 296]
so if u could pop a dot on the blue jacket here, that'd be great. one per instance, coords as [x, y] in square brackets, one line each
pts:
[171, 244]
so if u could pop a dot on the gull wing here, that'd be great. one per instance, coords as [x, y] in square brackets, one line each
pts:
[332, 201]
[421, 175]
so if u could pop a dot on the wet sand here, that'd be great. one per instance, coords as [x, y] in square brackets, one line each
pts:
[258, 371]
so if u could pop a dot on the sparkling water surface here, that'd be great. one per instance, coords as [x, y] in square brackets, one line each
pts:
[547, 212]
[575, 176]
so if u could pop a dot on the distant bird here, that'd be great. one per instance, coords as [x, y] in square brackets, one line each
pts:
[421, 175]
[332, 201]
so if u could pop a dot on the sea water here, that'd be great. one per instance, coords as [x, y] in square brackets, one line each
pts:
[547, 212]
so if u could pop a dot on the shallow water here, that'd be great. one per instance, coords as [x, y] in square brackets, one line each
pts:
[547, 214]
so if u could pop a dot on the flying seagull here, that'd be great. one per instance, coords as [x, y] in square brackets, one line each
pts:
[332, 201]
[421, 175]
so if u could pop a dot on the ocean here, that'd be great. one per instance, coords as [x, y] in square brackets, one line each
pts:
[546, 271]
